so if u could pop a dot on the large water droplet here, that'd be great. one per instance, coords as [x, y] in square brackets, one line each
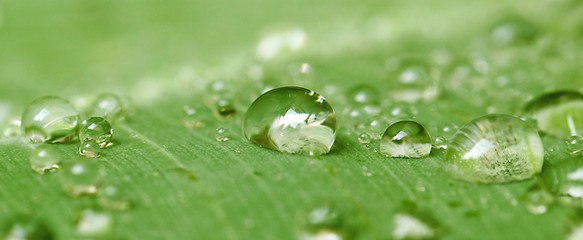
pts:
[44, 159]
[50, 119]
[406, 139]
[494, 149]
[292, 120]
[96, 129]
[558, 113]
[93, 223]
[81, 176]
[565, 181]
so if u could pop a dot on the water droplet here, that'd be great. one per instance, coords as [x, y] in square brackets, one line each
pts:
[292, 120]
[276, 44]
[406, 139]
[514, 31]
[50, 119]
[565, 182]
[108, 106]
[325, 222]
[412, 79]
[112, 197]
[363, 95]
[409, 227]
[81, 176]
[44, 159]
[537, 200]
[574, 144]
[576, 233]
[90, 149]
[12, 128]
[222, 135]
[365, 138]
[24, 228]
[494, 149]
[93, 223]
[558, 113]
[440, 142]
[96, 129]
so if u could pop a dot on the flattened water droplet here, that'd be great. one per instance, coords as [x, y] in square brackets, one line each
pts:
[90, 149]
[494, 149]
[574, 144]
[558, 113]
[96, 129]
[565, 182]
[409, 227]
[93, 223]
[108, 106]
[291, 120]
[49, 119]
[44, 159]
[81, 176]
[24, 228]
[406, 139]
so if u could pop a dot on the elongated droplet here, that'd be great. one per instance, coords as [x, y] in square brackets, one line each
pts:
[81, 176]
[558, 113]
[49, 119]
[44, 159]
[406, 139]
[494, 149]
[291, 120]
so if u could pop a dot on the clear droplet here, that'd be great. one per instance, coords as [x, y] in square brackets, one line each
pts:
[24, 228]
[440, 142]
[96, 129]
[292, 120]
[558, 113]
[365, 137]
[81, 176]
[363, 95]
[108, 106]
[410, 227]
[411, 79]
[565, 181]
[112, 197]
[537, 200]
[514, 31]
[574, 144]
[50, 119]
[44, 159]
[406, 139]
[326, 222]
[13, 128]
[222, 135]
[90, 149]
[494, 149]
[94, 223]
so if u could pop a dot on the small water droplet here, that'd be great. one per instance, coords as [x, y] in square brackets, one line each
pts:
[12, 128]
[440, 142]
[24, 227]
[291, 120]
[90, 149]
[514, 31]
[363, 95]
[94, 223]
[326, 222]
[574, 144]
[494, 149]
[558, 113]
[50, 119]
[537, 200]
[412, 79]
[222, 135]
[565, 182]
[406, 139]
[44, 159]
[112, 197]
[409, 227]
[96, 129]
[81, 176]
[108, 106]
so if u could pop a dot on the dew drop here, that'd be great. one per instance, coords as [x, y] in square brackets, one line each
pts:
[537, 200]
[81, 176]
[44, 159]
[363, 95]
[412, 79]
[90, 149]
[514, 31]
[440, 142]
[108, 106]
[565, 182]
[24, 228]
[558, 113]
[325, 222]
[291, 120]
[406, 139]
[409, 227]
[112, 197]
[96, 129]
[494, 149]
[222, 135]
[49, 119]
[13, 128]
[574, 144]
[365, 137]
[93, 223]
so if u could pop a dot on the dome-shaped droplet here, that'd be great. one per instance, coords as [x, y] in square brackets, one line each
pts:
[363, 95]
[96, 129]
[406, 139]
[494, 149]
[565, 181]
[81, 176]
[514, 31]
[574, 144]
[108, 106]
[292, 120]
[44, 159]
[558, 113]
[26, 227]
[411, 78]
[50, 119]
[90, 149]
[94, 223]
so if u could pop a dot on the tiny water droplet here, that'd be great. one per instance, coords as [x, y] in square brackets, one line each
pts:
[50, 119]
[96, 129]
[108, 106]
[559, 113]
[494, 149]
[440, 142]
[537, 200]
[44, 159]
[112, 197]
[222, 135]
[90, 149]
[94, 223]
[291, 120]
[406, 139]
[364, 138]
[81, 176]
[574, 144]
